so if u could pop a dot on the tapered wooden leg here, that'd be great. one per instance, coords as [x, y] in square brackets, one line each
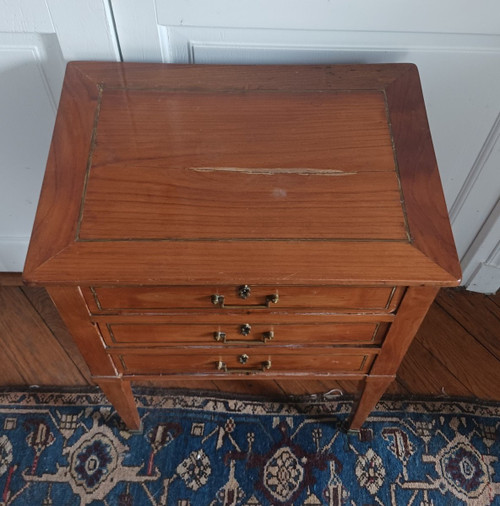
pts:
[374, 388]
[412, 311]
[74, 311]
[119, 393]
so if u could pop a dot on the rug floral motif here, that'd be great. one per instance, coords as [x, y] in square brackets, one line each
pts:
[69, 449]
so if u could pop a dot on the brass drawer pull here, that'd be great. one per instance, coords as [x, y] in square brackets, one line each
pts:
[267, 336]
[222, 337]
[218, 300]
[266, 365]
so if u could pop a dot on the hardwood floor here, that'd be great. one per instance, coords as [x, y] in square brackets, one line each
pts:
[456, 351]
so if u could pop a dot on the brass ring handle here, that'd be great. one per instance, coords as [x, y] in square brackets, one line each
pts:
[218, 300]
[221, 337]
[265, 366]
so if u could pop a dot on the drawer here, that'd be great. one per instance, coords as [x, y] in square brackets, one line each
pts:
[161, 298]
[174, 334]
[238, 361]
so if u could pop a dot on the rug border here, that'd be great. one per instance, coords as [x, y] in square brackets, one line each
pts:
[219, 402]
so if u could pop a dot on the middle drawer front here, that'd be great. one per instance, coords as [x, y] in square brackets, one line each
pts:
[203, 334]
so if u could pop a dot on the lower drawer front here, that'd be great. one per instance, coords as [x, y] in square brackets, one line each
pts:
[165, 334]
[243, 361]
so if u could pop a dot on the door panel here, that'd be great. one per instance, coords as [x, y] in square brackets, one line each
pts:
[28, 100]
[37, 37]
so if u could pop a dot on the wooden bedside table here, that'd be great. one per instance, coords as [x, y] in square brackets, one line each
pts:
[226, 221]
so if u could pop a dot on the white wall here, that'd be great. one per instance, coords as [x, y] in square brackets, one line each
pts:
[37, 37]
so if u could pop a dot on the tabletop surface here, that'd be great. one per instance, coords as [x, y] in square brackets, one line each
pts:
[186, 174]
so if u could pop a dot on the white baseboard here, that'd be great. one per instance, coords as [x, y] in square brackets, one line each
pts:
[486, 279]
[13, 253]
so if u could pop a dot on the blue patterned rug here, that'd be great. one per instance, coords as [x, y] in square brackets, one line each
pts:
[69, 449]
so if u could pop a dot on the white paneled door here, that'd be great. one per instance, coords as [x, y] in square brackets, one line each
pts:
[37, 37]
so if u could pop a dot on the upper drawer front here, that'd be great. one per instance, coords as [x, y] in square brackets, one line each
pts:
[157, 298]
[298, 334]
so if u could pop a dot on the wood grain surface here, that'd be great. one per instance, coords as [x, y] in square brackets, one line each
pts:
[282, 361]
[220, 204]
[11, 279]
[31, 354]
[424, 202]
[286, 334]
[122, 299]
[240, 262]
[340, 130]
[153, 162]
[424, 370]
[58, 209]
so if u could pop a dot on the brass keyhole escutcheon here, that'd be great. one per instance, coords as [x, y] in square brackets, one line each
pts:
[243, 359]
[245, 329]
[244, 291]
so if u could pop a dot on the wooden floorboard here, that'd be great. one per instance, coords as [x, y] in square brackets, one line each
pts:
[423, 373]
[11, 279]
[464, 343]
[477, 314]
[40, 300]
[30, 352]
[455, 353]
[495, 298]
